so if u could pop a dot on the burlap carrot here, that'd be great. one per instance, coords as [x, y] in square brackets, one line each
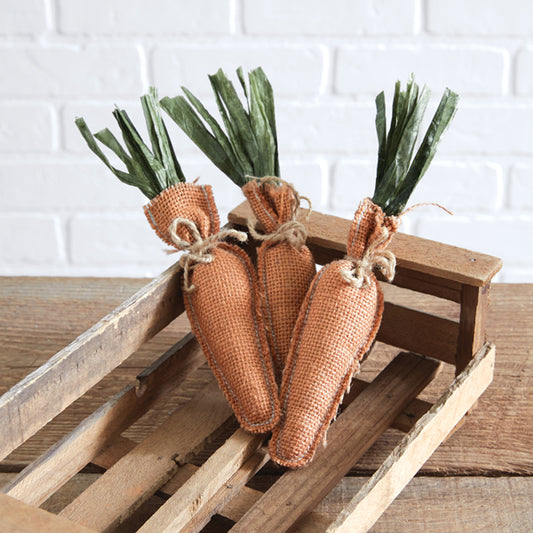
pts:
[249, 148]
[219, 281]
[342, 310]
[285, 266]
[220, 292]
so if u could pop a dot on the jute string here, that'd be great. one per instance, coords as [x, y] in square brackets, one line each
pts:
[199, 250]
[424, 204]
[359, 275]
[293, 232]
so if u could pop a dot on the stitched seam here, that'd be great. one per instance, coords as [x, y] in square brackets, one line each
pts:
[154, 223]
[260, 353]
[332, 400]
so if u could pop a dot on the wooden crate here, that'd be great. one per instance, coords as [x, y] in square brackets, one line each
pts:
[162, 462]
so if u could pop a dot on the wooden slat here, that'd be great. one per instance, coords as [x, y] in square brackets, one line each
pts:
[232, 500]
[474, 308]
[427, 284]
[33, 402]
[195, 495]
[417, 446]
[19, 517]
[404, 277]
[357, 428]
[413, 253]
[415, 409]
[116, 449]
[419, 332]
[137, 476]
[44, 476]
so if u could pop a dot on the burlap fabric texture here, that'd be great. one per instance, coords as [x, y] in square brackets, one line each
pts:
[337, 324]
[285, 266]
[220, 292]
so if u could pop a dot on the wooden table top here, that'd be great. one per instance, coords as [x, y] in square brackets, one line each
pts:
[480, 479]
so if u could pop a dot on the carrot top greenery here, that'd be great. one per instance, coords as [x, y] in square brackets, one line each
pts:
[152, 171]
[398, 172]
[247, 145]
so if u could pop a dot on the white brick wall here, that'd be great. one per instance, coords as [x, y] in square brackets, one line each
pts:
[63, 213]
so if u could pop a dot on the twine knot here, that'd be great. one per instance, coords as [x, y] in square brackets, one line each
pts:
[198, 251]
[293, 232]
[359, 276]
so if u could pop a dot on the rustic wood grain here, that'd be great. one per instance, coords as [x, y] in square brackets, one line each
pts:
[497, 436]
[508, 323]
[298, 491]
[439, 504]
[417, 446]
[419, 332]
[474, 308]
[192, 504]
[18, 517]
[428, 504]
[44, 476]
[66, 376]
[232, 500]
[413, 253]
[137, 476]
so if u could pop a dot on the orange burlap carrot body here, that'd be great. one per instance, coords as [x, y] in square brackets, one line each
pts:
[337, 324]
[285, 266]
[220, 292]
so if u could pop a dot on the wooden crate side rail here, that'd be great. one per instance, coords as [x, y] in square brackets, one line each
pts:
[56, 466]
[47, 391]
[417, 446]
[419, 332]
[413, 253]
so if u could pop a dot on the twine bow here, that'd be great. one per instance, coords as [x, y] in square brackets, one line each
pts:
[293, 232]
[199, 250]
[359, 276]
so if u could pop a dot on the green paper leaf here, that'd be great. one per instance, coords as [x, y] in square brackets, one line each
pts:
[151, 172]
[397, 172]
[161, 145]
[246, 144]
[187, 119]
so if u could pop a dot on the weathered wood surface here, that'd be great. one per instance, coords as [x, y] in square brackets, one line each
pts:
[47, 391]
[327, 232]
[193, 498]
[298, 492]
[417, 446]
[18, 517]
[44, 476]
[41, 315]
[436, 504]
[138, 475]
